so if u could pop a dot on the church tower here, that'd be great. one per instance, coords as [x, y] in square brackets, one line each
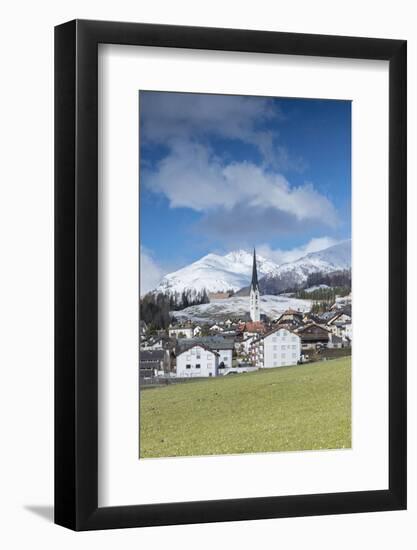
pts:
[254, 296]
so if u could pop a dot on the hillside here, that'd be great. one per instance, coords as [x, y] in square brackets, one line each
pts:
[305, 407]
[214, 273]
[237, 306]
[295, 274]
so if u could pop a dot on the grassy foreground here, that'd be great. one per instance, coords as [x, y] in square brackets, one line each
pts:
[282, 409]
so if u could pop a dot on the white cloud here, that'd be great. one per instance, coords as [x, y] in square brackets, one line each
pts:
[283, 256]
[170, 117]
[150, 272]
[192, 176]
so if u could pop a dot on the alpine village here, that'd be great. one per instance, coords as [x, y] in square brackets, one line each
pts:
[175, 349]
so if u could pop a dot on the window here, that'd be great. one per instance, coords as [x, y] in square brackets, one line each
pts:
[275, 355]
[198, 354]
[188, 357]
[275, 348]
[197, 366]
[293, 346]
[188, 366]
[274, 339]
[193, 351]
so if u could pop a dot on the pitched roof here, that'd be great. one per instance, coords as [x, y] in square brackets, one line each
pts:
[298, 314]
[254, 326]
[337, 315]
[151, 355]
[276, 329]
[306, 336]
[305, 327]
[326, 315]
[149, 365]
[212, 342]
[195, 345]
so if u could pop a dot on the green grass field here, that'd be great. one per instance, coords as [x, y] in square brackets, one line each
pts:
[284, 409]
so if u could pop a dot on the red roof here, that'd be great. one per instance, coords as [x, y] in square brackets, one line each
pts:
[254, 326]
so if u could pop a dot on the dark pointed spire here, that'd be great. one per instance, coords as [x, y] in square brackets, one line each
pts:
[254, 283]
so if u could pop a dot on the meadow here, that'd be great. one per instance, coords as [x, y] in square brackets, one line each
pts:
[303, 407]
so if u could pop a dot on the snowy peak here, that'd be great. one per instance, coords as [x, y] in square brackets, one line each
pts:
[240, 259]
[216, 273]
[335, 257]
[295, 274]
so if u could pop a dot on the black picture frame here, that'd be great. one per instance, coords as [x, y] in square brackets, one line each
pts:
[76, 272]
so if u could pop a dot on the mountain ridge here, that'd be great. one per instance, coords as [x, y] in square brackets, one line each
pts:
[232, 272]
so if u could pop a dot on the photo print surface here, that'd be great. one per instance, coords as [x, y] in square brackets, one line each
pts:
[245, 274]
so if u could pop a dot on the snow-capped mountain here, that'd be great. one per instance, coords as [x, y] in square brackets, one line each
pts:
[215, 273]
[295, 274]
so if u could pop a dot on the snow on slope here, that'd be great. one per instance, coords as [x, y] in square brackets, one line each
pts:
[237, 306]
[334, 258]
[216, 273]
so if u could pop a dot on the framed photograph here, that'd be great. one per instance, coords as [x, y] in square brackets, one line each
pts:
[230, 285]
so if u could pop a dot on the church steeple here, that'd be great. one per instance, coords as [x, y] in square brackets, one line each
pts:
[254, 294]
[254, 284]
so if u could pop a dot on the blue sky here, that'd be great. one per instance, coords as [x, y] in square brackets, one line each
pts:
[224, 172]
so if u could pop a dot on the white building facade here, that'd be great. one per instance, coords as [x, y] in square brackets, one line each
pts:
[280, 348]
[197, 361]
[225, 356]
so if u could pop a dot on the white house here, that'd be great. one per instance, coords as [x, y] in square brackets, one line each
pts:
[341, 325]
[197, 361]
[278, 348]
[181, 332]
[343, 330]
[224, 348]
